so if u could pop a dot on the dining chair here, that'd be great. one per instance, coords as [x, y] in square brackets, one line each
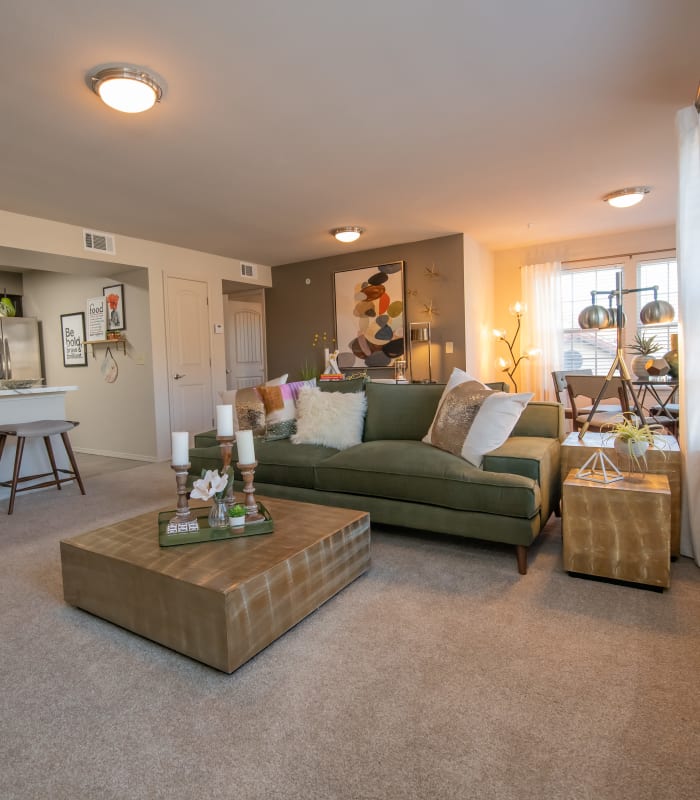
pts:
[561, 393]
[589, 386]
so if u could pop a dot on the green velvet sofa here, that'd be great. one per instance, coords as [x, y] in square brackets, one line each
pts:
[401, 481]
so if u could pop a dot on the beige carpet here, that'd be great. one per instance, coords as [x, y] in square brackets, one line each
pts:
[440, 674]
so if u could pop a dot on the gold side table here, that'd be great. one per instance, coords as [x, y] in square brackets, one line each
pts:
[666, 461]
[618, 530]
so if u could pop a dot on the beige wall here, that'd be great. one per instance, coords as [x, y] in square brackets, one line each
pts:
[479, 284]
[296, 310]
[115, 418]
[33, 243]
[508, 262]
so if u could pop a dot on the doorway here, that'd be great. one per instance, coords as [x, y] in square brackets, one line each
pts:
[244, 327]
[189, 356]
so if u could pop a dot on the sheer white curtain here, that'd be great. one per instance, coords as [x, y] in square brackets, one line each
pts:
[541, 290]
[688, 234]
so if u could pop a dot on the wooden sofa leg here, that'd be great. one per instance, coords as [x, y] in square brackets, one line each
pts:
[521, 555]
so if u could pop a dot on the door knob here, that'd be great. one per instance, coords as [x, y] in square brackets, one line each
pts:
[177, 376]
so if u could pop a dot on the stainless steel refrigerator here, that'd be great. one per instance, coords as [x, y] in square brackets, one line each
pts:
[20, 349]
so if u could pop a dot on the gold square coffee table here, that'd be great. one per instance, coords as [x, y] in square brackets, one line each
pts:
[218, 602]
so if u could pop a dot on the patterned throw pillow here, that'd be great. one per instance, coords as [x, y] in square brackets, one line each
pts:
[249, 406]
[472, 420]
[250, 411]
[280, 408]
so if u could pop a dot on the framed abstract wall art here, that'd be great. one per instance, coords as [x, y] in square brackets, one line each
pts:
[369, 315]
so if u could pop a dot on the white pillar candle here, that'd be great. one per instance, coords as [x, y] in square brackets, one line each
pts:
[246, 448]
[180, 448]
[224, 421]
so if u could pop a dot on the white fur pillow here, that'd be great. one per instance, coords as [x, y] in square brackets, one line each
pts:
[333, 419]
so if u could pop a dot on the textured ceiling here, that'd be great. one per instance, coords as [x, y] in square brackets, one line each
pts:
[501, 119]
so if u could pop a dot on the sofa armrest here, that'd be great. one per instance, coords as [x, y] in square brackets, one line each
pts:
[541, 419]
[533, 457]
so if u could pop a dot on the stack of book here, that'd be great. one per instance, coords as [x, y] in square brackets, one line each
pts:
[329, 376]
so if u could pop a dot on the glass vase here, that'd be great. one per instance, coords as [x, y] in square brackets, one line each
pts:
[218, 514]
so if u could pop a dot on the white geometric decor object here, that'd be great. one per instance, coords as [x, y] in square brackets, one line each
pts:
[600, 469]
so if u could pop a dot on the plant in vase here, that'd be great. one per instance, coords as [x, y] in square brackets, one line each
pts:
[633, 440]
[309, 369]
[236, 515]
[644, 347]
[211, 484]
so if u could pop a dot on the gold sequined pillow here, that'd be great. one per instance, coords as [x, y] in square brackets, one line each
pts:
[472, 420]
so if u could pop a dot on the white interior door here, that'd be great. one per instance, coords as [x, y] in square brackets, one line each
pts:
[189, 356]
[245, 352]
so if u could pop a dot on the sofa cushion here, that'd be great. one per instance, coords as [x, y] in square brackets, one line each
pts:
[279, 462]
[416, 472]
[400, 411]
[403, 410]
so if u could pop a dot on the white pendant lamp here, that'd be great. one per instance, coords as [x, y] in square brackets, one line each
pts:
[624, 198]
[348, 233]
[127, 89]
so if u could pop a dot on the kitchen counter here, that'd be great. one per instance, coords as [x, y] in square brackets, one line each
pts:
[30, 405]
[32, 390]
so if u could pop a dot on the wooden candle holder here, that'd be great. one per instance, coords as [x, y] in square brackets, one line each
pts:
[251, 507]
[183, 514]
[226, 446]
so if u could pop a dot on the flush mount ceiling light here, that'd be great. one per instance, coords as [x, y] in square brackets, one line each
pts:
[623, 198]
[127, 89]
[348, 233]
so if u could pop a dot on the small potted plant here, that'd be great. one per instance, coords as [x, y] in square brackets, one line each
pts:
[633, 440]
[644, 347]
[236, 515]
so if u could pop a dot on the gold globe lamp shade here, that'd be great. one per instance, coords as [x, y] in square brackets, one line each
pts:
[657, 312]
[595, 317]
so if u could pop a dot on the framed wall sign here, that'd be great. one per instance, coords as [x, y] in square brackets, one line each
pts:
[96, 319]
[114, 295]
[72, 338]
[370, 323]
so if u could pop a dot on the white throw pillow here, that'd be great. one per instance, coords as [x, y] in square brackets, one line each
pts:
[332, 419]
[472, 420]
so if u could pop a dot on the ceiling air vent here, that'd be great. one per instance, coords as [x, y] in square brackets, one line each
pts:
[97, 241]
[248, 270]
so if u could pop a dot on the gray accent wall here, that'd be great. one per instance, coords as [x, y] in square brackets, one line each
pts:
[295, 309]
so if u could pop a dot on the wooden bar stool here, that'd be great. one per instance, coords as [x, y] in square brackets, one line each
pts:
[30, 430]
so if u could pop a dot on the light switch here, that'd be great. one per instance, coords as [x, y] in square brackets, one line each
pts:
[449, 348]
[218, 327]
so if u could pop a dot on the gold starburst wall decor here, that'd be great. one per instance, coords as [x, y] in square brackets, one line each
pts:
[430, 309]
[432, 271]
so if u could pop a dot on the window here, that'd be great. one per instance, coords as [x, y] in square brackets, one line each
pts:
[595, 349]
[587, 349]
[663, 274]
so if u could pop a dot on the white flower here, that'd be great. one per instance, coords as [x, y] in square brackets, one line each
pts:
[211, 484]
[203, 489]
[218, 482]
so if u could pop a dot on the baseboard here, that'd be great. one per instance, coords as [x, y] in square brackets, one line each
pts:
[112, 454]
